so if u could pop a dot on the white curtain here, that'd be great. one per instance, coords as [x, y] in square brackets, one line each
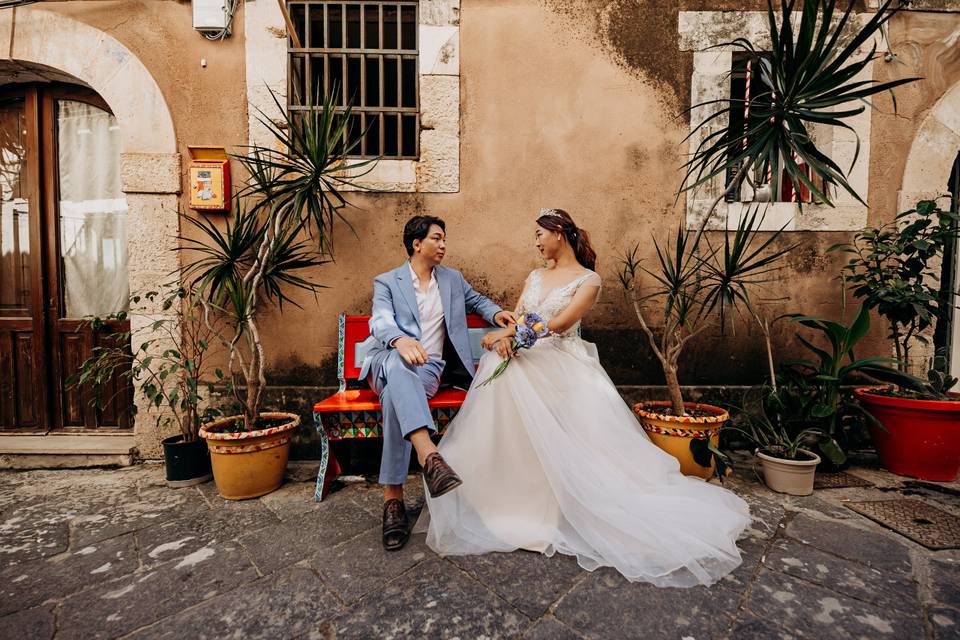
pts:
[93, 211]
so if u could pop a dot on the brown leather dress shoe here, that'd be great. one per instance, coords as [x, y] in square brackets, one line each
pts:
[440, 478]
[396, 530]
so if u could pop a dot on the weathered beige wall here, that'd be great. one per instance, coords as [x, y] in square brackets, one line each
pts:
[576, 104]
[208, 105]
[928, 45]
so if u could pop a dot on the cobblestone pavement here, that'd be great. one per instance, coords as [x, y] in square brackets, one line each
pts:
[115, 553]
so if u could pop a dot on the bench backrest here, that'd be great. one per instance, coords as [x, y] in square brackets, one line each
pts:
[355, 329]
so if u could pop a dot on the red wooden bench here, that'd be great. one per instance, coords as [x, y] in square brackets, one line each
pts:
[354, 411]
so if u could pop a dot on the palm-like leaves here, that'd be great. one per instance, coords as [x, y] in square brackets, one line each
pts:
[807, 78]
[302, 179]
[693, 281]
[283, 226]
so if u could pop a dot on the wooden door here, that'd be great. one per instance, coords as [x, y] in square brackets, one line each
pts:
[23, 402]
[77, 263]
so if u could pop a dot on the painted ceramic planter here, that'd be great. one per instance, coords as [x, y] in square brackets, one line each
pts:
[249, 464]
[673, 433]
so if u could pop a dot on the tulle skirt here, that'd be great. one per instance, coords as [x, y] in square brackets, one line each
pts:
[553, 460]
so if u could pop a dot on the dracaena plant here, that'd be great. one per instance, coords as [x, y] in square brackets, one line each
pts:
[696, 285]
[282, 230]
[807, 78]
[810, 77]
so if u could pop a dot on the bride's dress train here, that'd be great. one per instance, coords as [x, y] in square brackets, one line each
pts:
[553, 460]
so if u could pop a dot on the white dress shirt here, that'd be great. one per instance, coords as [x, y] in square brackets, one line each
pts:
[430, 307]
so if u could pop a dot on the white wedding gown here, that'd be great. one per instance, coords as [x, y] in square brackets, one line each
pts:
[553, 460]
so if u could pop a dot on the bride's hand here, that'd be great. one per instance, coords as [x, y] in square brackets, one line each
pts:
[504, 348]
[491, 338]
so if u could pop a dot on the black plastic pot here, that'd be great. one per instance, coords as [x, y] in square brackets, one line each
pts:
[188, 463]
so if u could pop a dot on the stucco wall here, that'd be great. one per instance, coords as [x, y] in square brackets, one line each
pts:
[569, 103]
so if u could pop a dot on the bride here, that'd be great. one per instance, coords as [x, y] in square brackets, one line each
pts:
[553, 461]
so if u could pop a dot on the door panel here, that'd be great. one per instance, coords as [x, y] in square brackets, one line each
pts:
[22, 397]
[87, 260]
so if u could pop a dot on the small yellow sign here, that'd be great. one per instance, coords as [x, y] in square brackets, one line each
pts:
[209, 179]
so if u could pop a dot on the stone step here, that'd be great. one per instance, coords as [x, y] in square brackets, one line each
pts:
[66, 451]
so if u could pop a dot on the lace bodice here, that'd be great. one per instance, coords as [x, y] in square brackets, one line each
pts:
[549, 304]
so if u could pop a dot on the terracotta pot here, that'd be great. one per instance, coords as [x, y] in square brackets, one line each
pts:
[673, 433]
[251, 463]
[793, 477]
[920, 438]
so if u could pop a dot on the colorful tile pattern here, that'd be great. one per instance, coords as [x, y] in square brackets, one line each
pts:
[358, 424]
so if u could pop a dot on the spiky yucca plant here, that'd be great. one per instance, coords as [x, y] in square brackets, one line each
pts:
[283, 227]
[808, 77]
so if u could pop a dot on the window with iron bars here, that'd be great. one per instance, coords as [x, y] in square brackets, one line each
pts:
[364, 54]
[746, 85]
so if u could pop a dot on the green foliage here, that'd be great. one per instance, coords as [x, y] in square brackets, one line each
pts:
[706, 453]
[168, 363]
[813, 392]
[760, 422]
[890, 270]
[695, 283]
[808, 77]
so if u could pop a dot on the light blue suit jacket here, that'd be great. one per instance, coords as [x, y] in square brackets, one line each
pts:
[395, 313]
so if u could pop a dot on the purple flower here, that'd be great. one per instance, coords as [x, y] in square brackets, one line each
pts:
[535, 322]
[526, 337]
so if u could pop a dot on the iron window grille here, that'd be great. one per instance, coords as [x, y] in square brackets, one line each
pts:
[363, 54]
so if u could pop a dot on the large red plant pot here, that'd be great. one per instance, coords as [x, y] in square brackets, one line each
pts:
[920, 438]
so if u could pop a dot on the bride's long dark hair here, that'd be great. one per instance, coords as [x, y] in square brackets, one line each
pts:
[560, 221]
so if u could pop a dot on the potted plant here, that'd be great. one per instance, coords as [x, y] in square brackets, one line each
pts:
[815, 392]
[891, 271]
[787, 467]
[803, 82]
[695, 286]
[171, 364]
[282, 228]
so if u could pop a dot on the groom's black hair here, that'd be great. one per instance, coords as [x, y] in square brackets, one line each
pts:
[417, 228]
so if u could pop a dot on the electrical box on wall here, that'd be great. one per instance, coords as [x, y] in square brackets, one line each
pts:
[210, 15]
[209, 179]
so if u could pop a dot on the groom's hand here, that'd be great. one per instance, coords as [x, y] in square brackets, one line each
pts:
[411, 351]
[505, 319]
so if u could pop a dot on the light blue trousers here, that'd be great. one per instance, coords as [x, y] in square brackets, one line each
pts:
[404, 390]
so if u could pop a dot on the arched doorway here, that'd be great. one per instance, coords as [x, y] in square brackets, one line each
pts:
[57, 47]
[63, 254]
[931, 172]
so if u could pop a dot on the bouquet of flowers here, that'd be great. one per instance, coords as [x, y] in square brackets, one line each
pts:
[530, 328]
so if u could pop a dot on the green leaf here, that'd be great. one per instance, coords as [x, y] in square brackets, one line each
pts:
[831, 449]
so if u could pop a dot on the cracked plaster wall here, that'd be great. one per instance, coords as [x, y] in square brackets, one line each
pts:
[561, 103]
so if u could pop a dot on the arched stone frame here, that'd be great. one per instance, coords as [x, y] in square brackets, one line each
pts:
[927, 173]
[150, 164]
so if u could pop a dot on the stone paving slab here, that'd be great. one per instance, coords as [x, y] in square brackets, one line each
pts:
[811, 611]
[850, 578]
[117, 607]
[434, 600]
[529, 581]
[360, 565]
[32, 583]
[285, 605]
[117, 554]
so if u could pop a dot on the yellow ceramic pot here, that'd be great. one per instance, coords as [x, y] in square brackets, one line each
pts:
[673, 433]
[249, 464]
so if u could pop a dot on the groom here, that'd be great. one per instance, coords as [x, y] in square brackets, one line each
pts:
[419, 329]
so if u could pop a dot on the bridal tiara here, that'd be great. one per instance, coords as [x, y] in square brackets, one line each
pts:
[549, 212]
